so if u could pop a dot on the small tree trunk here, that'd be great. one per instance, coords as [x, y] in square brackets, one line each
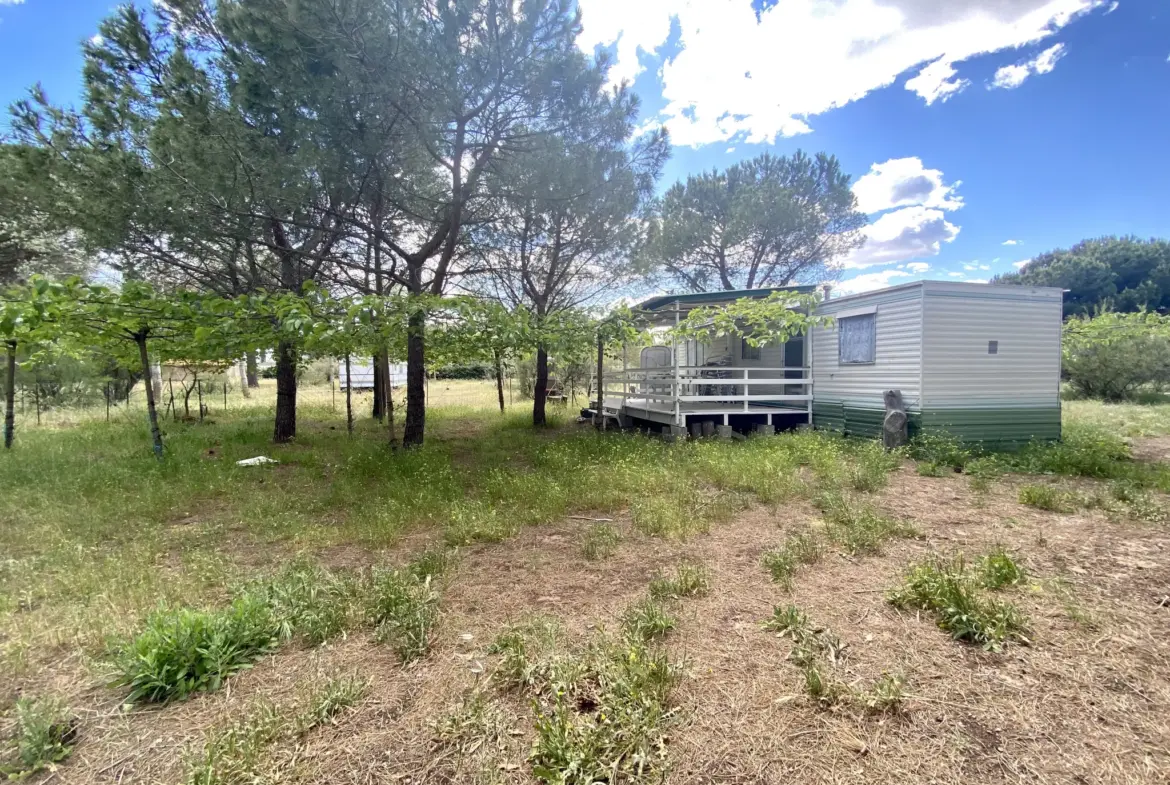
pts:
[199, 389]
[540, 391]
[348, 398]
[381, 361]
[152, 413]
[286, 393]
[416, 395]
[10, 397]
[250, 372]
[499, 380]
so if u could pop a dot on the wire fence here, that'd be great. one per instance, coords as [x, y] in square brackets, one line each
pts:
[180, 402]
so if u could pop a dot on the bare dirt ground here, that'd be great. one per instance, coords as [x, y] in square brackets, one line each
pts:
[1087, 702]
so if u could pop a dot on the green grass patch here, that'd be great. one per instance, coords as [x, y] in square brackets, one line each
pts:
[858, 527]
[949, 590]
[182, 650]
[1047, 497]
[647, 620]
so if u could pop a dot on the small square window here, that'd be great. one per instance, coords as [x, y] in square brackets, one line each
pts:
[747, 351]
[993, 347]
[857, 339]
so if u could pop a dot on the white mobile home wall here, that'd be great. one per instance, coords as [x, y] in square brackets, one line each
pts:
[933, 343]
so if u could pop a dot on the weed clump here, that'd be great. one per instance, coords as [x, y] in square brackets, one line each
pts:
[608, 723]
[998, 569]
[647, 620]
[309, 601]
[43, 735]
[949, 591]
[799, 549]
[859, 528]
[182, 651]
[939, 452]
[403, 611]
[690, 580]
[237, 752]
[600, 541]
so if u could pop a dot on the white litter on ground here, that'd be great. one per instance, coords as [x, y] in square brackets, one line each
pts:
[259, 460]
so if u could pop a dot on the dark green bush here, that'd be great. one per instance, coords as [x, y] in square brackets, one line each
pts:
[465, 371]
[183, 651]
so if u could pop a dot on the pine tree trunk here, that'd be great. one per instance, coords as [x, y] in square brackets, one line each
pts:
[155, 433]
[250, 371]
[500, 381]
[286, 393]
[540, 391]
[10, 397]
[348, 398]
[416, 396]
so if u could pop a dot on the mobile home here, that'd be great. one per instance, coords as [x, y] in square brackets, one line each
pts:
[979, 361]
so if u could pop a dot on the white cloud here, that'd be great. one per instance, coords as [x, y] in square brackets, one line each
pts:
[976, 280]
[1112, 7]
[1011, 242]
[1012, 76]
[1018, 265]
[913, 202]
[917, 267]
[955, 274]
[973, 266]
[736, 74]
[902, 182]
[869, 281]
[908, 233]
[11, 2]
[97, 40]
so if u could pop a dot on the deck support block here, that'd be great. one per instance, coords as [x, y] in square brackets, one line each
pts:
[765, 430]
[696, 430]
[724, 431]
[708, 428]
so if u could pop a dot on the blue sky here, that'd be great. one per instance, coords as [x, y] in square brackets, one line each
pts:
[966, 124]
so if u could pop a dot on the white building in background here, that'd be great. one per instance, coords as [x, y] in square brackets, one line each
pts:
[363, 375]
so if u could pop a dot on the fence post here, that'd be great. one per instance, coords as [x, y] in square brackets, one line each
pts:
[199, 390]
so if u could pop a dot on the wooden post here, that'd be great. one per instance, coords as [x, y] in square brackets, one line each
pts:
[678, 418]
[601, 378]
[171, 389]
[152, 414]
[10, 397]
[348, 398]
[199, 390]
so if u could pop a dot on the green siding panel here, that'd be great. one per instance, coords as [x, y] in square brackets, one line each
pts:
[854, 420]
[1001, 426]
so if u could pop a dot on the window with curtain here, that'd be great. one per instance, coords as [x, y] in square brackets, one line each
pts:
[857, 339]
[747, 351]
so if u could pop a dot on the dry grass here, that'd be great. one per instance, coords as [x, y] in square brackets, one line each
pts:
[1088, 701]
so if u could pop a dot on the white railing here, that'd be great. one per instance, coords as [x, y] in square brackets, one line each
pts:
[719, 389]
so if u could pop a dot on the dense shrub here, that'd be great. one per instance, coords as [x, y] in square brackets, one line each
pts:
[1114, 355]
[465, 371]
[184, 651]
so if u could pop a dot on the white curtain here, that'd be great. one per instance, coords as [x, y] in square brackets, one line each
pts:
[858, 338]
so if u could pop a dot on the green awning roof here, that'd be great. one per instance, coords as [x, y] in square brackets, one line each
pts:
[712, 298]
